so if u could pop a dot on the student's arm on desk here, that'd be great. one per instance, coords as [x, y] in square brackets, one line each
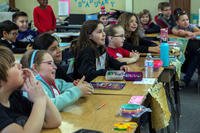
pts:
[182, 33]
[155, 49]
[196, 31]
[52, 116]
[132, 59]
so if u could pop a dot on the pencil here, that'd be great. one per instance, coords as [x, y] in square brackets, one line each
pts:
[101, 106]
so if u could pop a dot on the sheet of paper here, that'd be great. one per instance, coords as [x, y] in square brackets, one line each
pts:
[136, 100]
[146, 81]
[63, 7]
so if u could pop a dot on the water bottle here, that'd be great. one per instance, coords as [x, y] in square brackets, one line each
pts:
[148, 64]
[164, 53]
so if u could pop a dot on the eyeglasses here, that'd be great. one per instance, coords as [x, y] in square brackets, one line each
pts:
[49, 63]
[122, 36]
[13, 33]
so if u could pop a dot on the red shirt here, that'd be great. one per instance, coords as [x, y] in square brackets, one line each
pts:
[117, 52]
[44, 19]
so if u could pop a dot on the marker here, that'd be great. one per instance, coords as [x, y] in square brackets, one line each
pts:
[101, 106]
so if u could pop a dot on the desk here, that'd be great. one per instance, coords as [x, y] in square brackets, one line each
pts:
[130, 88]
[84, 114]
[157, 35]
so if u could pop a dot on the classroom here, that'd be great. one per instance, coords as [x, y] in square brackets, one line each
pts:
[99, 66]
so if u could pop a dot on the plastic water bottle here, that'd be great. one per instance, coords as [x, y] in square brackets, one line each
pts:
[148, 64]
[164, 53]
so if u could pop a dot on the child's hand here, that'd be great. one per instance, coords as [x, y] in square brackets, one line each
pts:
[85, 87]
[33, 87]
[125, 68]
[190, 34]
[29, 47]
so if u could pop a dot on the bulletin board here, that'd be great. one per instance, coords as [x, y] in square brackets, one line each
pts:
[93, 6]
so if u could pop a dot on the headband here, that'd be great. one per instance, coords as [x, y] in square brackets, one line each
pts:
[32, 58]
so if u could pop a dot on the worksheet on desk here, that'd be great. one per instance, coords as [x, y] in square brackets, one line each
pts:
[146, 81]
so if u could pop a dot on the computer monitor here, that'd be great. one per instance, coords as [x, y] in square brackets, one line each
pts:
[76, 19]
[91, 17]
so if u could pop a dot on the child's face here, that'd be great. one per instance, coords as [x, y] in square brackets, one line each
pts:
[55, 51]
[104, 20]
[47, 68]
[15, 77]
[167, 11]
[22, 23]
[144, 19]
[11, 36]
[98, 35]
[183, 21]
[133, 24]
[118, 39]
[43, 2]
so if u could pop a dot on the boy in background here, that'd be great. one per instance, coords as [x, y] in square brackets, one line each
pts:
[44, 17]
[165, 19]
[8, 35]
[26, 36]
[103, 16]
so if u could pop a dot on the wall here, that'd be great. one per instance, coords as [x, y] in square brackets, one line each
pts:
[138, 5]
[195, 5]
[151, 5]
[28, 6]
[77, 6]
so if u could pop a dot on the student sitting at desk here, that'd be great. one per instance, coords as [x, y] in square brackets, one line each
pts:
[147, 24]
[103, 16]
[192, 54]
[8, 35]
[25, 36]
[183, 27]
[133, 40]
[64, 60]
[116, 37]
[165, 19]
[60, 92]
[91, 59]
[19, 114]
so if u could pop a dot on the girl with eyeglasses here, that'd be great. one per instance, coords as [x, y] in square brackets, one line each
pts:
[116, 36]
[91, 59]
[19, 114]
[61, 93]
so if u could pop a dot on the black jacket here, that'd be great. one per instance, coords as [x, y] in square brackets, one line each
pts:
[142, 47]
[12, 46]
[85, 64]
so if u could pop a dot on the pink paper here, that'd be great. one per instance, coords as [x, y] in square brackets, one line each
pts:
[136, 100]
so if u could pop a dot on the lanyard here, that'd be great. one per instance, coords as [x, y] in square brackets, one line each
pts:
[50, 84]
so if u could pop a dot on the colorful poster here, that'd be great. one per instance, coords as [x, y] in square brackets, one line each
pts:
[93, 6]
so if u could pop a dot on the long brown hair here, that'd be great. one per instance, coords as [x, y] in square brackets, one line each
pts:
[84, 39]
[124, 20]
